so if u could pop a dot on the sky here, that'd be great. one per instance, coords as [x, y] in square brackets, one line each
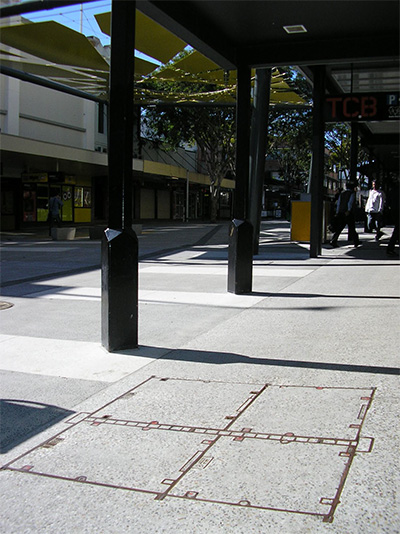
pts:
[79, 17]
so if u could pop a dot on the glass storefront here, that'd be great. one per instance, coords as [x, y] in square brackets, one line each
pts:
[29, 203]
[38, 188]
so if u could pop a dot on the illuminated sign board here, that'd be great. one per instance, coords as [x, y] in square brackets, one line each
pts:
[362, 107]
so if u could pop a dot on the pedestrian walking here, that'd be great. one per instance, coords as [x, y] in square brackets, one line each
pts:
[374, 209]
[345, 209]
[55, 205]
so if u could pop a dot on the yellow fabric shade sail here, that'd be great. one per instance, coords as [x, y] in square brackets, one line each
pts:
[52, 51]
[8, 53]
[57, 53]
[54, 42]
[150, 38]
[40, 69]
[143, 67]
[197, 68]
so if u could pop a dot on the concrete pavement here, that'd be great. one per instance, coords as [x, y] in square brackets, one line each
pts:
[263, 413]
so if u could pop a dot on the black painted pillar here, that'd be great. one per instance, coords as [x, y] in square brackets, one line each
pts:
[137, 144]
[258, 145]
[119, 300]
[353, 159]
[317, 170]
[240, 255]
[354, 152]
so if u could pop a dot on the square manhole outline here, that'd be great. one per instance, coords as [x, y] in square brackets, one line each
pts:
[203, 457]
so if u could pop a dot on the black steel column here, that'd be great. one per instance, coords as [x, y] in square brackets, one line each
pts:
[354, 152]
[240, 255]
[317, 170]
[119, 301]
[258, 144]
[353, 160]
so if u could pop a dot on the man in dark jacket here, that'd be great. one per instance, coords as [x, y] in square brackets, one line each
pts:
[55, 205]
[345, 209]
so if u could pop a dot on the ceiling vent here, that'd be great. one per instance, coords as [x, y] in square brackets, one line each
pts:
[296, 28]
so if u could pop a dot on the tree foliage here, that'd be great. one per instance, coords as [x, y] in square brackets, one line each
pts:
[290, 135]
[211, 128]
[289, 142]
[338, 144]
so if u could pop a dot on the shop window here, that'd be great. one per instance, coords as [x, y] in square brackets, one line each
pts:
[225, 199]
[82, 204]
[78, 197]
[87, 197]
[83, 197]
[7, 203]
[67, 209]
[29, 204]
[177, 205]
[42, 200]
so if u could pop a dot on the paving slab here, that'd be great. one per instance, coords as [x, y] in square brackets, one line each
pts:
[202, 451]
[270, 412]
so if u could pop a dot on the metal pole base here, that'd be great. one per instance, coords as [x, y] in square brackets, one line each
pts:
[119, 301]
[240, 257]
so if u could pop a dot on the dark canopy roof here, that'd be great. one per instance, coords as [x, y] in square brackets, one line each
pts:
[357, 40]
[253, 31]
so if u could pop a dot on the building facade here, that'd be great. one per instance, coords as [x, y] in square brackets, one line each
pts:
[52, 142]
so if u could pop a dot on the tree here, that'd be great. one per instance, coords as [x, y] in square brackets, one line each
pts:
[338, 143]
[290, 134]
[211, 128]
[289, 142]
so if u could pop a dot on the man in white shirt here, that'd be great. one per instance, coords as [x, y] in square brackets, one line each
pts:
[374, 209]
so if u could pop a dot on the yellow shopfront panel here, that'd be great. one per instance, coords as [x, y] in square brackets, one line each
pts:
[301, 221]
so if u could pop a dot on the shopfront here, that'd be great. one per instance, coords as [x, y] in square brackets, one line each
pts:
[76, 194]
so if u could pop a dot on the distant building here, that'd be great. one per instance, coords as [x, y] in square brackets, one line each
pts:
[52, 142]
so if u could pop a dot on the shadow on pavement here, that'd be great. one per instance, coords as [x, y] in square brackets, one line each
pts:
[228, 358]
[318, 295]
[21, 419]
